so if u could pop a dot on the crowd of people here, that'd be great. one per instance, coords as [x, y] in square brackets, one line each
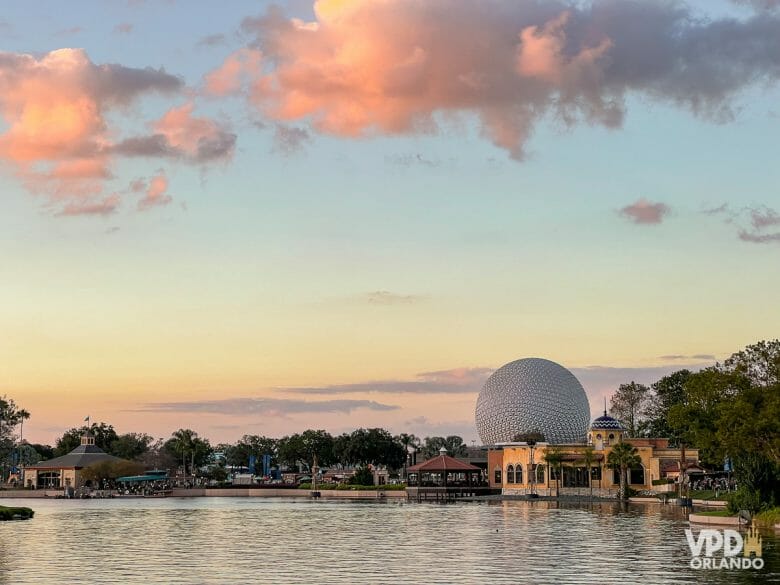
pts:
[718, 484]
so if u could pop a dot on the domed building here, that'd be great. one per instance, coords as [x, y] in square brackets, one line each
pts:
[521, 467]
[605, 431]
[532, 395]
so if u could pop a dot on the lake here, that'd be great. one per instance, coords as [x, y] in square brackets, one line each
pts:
[258, 540]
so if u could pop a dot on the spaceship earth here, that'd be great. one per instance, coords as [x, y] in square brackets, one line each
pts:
[532, 394]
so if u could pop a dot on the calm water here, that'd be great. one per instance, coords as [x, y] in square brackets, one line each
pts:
[244, 540]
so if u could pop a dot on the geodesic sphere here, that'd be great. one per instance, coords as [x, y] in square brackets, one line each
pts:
[532, 394]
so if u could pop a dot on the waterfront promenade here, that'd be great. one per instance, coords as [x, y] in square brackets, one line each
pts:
[232, 493]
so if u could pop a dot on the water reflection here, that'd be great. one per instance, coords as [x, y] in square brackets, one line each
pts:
[250, 540]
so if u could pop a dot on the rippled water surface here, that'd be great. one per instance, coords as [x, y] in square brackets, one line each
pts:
[245, 540]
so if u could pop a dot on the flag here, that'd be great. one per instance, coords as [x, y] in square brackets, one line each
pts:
[86, 420]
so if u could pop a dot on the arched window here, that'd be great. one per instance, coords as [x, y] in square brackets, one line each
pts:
[510, 474]
[539, 474]
[519, 474]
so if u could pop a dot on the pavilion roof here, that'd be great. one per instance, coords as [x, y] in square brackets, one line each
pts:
[81, 456]
[442, 463]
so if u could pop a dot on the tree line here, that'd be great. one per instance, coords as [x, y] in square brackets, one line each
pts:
[729, 411]
[187, 451]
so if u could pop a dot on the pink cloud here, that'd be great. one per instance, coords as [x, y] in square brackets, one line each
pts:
[200, 139]
[764, 217]
[57, 135]
[753, 223]
[156, 193]
[238, 67]
[645, 212]
[365, 67]
[105, 206]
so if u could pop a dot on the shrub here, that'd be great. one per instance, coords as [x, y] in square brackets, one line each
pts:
[362, 476]
[15, 513]
[768, 517]
[744, 499]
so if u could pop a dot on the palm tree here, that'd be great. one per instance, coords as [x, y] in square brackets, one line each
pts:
[21, 415]
[455, 446]
[554, 459]
[623, 456]
[408, 440]
[589, 458]
[184, 443]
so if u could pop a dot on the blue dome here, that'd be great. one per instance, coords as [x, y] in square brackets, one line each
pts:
[607, 422]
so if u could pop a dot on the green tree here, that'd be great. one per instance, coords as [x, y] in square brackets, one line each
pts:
[306, 447]
[44, 451]
[410, 444]
[553, 457]
[666, 393]
[623, 456]
[628, 404]
[453, 443]
[104, 435]
[236, 455]
[758, 485]
[261, 445]
[362, 476]
[131, 446]
[695, 419]
[589, 458]
[28, 455]
[216, 473]
[758, 363]
[370, 446]
[189, 447]
[98, 473]
[10, 417]
[341, 449]
[732, 411]
[160, 456]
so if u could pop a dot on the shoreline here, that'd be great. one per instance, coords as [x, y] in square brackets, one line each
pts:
[347, 495]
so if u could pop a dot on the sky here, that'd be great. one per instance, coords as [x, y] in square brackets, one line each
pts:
[259, 218]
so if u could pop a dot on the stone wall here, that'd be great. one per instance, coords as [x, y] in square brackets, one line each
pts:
[568, 492]
[272, 493]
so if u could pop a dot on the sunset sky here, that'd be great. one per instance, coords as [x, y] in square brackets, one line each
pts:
[242, 217]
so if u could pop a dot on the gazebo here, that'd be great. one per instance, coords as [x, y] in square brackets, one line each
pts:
[65, 471]
[443, 477]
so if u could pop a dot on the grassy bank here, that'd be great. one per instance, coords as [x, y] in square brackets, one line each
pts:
[768, 517]
[718, 513]
[707, 495]
[15, 513]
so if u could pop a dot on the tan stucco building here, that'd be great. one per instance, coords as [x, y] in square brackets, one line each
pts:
[65, 471]
[520, 468]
